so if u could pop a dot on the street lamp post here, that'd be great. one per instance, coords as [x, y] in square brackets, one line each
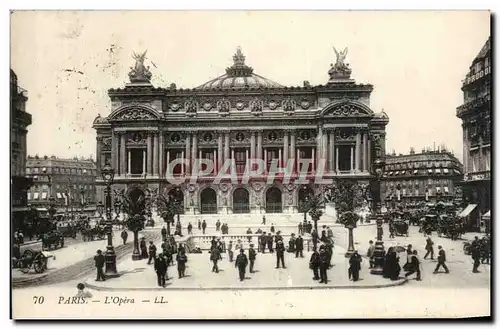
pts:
[108, 175]
[379, 253]
[82, 193]
[100, 209]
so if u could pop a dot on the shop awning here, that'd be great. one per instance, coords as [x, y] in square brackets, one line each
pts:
[487, 215]
[44, 195]
[29, 195]
[59, 196]
[390, 173]
[35, 196]
[467, 210]
[437, 171]
[396, 173]
[429, 171]
[446, 189]
[445, 170]
[415, 171]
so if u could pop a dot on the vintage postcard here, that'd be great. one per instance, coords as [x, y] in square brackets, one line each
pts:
[250, 164]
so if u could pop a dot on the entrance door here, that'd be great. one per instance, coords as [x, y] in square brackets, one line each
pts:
[241, 201]
[273, 201]
[208, 200]
[304, 193]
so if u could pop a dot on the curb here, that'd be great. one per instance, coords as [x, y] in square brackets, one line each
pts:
[303, 287]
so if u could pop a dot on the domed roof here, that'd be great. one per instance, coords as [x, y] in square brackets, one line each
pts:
[239, 76]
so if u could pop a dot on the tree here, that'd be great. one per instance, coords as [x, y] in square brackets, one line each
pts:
[349, 219]
[315, 204]
[135, 209]
[168, 208]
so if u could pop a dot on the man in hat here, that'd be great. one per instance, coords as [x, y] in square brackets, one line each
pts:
[280, 254]
[355, 265]
[161, 270]
[124, 236]
[314, 263]
[99, 264]
[152, 252]
[241, 264]
[214, 257]
[163, 233]
[251, 256]
[230, 251]
[181, 263]
[441, 260]
[323, 264]
[299, 247]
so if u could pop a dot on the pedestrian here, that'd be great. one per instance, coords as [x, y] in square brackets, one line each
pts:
[190, 229]
[414, 266]
[355, 266]
[429, 247]
[300, 229]
[272, 228]
[391, 229]
[329, 233]
[309, 227]
[280, 254]
[21, 237]
[144, 248]
[199, 224]
[299, 247]
[81, 292]
[264, 220]
[370, 253]
[485, 251]
[323, 265]
[441, 260]
[315, 238]
[270, 243]
[323, 238]
[475, 250]
[213, 244]
[181, 263]
[249, 231]
[217, 226]
[124, 236]
[160, 267]
[99, 261]
[263, 242]
[204, 226]
[241, 264]
[230, 251]
[251, 256]
[314, 263]
[214, 257]
[163, 233]
[409, 256]
[152, 252]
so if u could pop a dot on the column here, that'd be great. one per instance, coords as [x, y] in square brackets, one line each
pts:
[99, 156]
[246, 159]
[149, 163]
[313, 168]
[226, 145]
[331, 150]
[143, 162]
[168, 162]
[279, 159]
[220, 155]
[298, 160]
[265, 161]
[215, 162]
[465, 149]
[155, 155]
[161, 154]
[194, 152]
[129, 163]
[286, 147]
[358, 150]
[114, 150]
[187, 154]
[319, 140]
[324, 151]
[183, 165]
[337, 159]
[369, 152]
[259, 144]
[232, 154]
[252, 145]
[365, 151]
[352, 159]
[292, 149]
[123, 151]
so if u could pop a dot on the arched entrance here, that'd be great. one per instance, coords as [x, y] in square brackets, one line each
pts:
[273, 201]
[241, 201]
[177, 195]
[304, 193]
[208, 201]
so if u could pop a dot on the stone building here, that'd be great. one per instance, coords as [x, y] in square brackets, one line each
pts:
[427, 176]
[239, 116]
[475, 113]
[19, 121]
[68, 181]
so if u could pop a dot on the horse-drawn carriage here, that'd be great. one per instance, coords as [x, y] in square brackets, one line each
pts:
[400, 227]
[92, 233]
[51, 239]
[450, 227]
[67, 229]
[31, 259]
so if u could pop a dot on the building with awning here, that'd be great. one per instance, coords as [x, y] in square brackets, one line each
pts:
[470, 215]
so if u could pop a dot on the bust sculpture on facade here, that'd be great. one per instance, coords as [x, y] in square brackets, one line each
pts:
[341, 69]
[139, 73]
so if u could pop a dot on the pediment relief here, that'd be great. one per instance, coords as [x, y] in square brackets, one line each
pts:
[134, 112]
[346, 109]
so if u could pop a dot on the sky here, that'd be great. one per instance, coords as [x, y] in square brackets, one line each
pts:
[416, 60]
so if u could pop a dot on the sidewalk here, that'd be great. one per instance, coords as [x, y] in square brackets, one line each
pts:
[137, 275]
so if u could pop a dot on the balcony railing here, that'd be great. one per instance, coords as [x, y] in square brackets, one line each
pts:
[473, 77]
[478, 175]
[475, 103]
